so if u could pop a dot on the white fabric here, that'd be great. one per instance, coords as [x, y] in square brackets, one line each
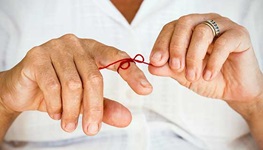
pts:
[203, 122]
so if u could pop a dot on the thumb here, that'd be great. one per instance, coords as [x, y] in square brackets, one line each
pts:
[165, 71]
[116, 114]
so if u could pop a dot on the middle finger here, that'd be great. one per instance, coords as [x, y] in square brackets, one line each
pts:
[71, 90]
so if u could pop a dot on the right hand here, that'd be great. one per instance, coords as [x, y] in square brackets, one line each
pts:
[61, 77]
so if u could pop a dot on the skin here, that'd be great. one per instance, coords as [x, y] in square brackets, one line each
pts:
[224, 67]
[65, 81]
[185, 50]
[53, 84]
[128, 8]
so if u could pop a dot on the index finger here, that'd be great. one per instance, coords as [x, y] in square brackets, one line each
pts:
[104, 55]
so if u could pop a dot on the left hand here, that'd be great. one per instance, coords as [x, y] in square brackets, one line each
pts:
[223, 67]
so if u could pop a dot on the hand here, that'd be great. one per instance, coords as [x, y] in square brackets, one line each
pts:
[62, 78]
[224, 67]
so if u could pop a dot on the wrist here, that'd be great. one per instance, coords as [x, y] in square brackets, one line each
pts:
[256, 110]
[3, 109]
[255, 113]
[7, 116]
[252, 108]
[255, 122]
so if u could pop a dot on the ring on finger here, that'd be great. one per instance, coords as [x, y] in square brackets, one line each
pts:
[213, 26]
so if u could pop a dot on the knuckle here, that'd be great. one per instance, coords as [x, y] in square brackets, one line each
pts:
[219, 56]
[71, 39]
[169, 26]
[179, 43]
[51, 45]
[216, 62]
[69, 36]
[74, 84]
[215, 15]
[96, 110]
[91, 43]
[202, 31]
[242, 30]
[112, 50]
[221, 42]
[70, 117]
[35, 51]
[70, 113]
[186, 20]
[53, 85]
[226, 19]
[192, 59]
[122, 53]
[238, 35]
[177, 49]
[161, 45]
[53, 42]
[95, 78]
[213, 66]
[73, 114]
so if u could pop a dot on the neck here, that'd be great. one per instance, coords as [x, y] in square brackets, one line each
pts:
[128, 8]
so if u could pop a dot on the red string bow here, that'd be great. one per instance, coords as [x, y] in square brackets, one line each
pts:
[126, 61]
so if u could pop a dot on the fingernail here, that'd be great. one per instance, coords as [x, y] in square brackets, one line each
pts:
[176, 63]
[70, 127]
[93, 128]
[207, 75]
[57, 116]
[191, 75]
[215, 73]
[145, 83]
[156, 56]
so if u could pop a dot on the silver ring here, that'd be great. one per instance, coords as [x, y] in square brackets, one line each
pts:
[213, 26]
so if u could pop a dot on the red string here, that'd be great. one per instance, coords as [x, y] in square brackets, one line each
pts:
[126, 61]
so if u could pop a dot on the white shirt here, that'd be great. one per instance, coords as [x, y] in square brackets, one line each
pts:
[170, 111]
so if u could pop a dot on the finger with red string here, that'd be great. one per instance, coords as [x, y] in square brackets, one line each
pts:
[135, 78]
[93, 81]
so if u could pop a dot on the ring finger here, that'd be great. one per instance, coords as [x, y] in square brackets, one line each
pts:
[201, 39]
